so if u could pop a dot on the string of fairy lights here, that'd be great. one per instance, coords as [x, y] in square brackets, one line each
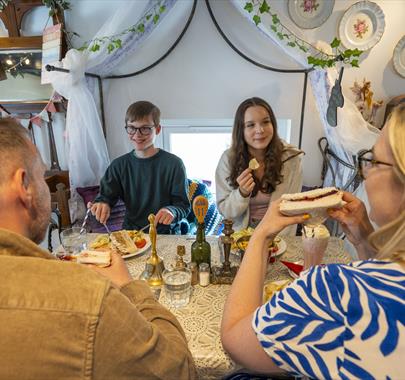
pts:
[21, 64]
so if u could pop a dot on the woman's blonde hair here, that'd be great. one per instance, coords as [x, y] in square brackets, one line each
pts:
[389, 240]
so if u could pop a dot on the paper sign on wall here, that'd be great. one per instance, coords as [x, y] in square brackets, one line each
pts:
[51, 49]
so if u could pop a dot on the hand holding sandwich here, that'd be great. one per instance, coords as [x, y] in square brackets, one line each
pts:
[355, 224]
[273, 221]
[117, 272]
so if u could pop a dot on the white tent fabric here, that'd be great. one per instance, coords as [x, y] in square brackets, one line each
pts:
[352, 133]
[86, 149]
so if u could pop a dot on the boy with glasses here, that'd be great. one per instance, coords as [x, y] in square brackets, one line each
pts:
[148, 179]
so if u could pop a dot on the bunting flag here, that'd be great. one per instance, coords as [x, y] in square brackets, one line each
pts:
[51, 107]
[37, 121]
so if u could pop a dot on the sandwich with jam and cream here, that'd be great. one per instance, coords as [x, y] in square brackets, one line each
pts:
[99, 258]
[314, 202]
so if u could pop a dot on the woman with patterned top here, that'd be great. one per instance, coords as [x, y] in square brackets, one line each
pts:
[244, 193]
[337, 321]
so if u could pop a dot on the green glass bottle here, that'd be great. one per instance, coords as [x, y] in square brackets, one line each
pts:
[201, 249]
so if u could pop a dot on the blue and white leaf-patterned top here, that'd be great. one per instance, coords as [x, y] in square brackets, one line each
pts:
[338, 322]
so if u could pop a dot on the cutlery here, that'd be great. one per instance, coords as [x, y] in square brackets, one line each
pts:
[107, 229]
[83, 229]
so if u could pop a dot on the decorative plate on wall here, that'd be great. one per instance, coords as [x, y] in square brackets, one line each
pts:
[398, 57]
[362, 25]
[309, 14]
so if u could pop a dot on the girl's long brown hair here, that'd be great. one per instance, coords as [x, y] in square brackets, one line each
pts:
[240, 157]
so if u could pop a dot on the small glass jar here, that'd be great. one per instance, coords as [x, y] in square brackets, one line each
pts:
[194, 272]
[204, 274]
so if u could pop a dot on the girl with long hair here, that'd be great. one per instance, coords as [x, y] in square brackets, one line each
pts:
[243, 194]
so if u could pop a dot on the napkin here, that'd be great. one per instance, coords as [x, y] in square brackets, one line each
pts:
[296, 268]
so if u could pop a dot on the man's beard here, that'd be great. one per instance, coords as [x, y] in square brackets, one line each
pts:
[40, 216]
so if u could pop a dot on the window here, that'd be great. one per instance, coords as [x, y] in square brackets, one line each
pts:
[200, 144]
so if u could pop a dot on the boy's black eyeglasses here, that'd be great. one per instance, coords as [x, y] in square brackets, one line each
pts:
[365, 161]
[144, 131]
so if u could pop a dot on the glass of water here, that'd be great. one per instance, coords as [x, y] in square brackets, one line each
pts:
[177, 285]
[73, 241]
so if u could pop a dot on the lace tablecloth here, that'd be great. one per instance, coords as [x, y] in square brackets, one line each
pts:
[201, 318]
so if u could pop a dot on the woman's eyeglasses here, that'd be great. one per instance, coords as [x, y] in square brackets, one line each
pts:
[365, 161]
[144, 131]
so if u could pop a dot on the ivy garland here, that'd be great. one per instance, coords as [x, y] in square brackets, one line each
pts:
[114, 41]
[319, 57]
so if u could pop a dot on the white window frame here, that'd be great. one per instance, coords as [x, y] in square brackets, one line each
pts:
[207, 126]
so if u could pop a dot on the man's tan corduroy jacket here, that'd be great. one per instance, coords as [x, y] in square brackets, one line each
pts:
[60, 320]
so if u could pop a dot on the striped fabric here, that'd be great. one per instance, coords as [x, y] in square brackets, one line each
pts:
[338, 322]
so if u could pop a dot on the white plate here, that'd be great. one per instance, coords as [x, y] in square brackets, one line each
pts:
[140, 250]
[282, 246]
[362, 26]
[398, 57]
[309, 14]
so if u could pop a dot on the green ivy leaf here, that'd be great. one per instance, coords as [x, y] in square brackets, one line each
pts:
[84, 47]
[110, 48]
[355, 63]
[303, 48]
[275, 19]
[156, 18]
[264, 8]
[280, 36]
[257, 19]
[117, 43]
[356, 52]
[95, 47]
[335, 43]
[330, 62]
[348, 53]
[311, 60]
[273, 28]
[249, 7]
[162, 9]
[141, 28]
[148, 17]
[292, 44]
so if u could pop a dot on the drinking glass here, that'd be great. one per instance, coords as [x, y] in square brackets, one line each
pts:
[73, 241]
[314, 243]
[177, 285]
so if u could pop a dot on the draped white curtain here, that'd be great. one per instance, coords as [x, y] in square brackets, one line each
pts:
[86, 149]
[352, 132]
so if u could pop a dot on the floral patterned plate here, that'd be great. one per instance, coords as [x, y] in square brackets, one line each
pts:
[309, 14]
[362, 26]
[399, 57]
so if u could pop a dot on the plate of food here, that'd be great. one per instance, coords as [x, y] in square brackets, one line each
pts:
[241, 240]
[128, 243]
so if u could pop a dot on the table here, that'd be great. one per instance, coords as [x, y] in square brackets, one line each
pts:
[201, 318]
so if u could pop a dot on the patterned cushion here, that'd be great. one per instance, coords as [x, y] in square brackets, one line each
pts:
[213, 218]
[116, 218]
